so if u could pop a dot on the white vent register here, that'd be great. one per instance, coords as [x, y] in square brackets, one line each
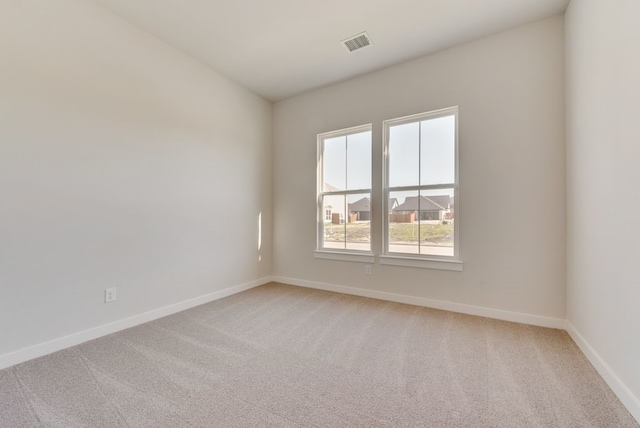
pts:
[358, 41]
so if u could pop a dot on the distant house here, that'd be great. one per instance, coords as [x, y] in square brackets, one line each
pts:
[393, 203]
[361, 208]
[333, 208]
[422, 208]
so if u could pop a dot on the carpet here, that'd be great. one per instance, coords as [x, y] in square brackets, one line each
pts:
[282, 356]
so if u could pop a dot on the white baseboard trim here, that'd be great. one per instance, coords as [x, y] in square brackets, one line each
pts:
[430, 303]
[35, 351]
[623, 393]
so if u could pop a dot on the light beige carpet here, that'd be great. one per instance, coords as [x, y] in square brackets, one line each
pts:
[284, 356]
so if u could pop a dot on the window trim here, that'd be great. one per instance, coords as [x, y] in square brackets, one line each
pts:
[420, 260]
[338, 253]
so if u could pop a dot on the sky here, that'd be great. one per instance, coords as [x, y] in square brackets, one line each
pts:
[422, 152]
[347, 161]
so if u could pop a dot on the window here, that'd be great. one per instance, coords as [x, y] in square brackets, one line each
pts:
[421, 182]
[344, 190]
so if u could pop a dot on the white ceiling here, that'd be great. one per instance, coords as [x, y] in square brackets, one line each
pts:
[280, 48]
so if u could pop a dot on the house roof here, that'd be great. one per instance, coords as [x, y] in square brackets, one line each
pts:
[431, 203]
[443, 200]
[326, 187]
[427, 203]
[362, 205]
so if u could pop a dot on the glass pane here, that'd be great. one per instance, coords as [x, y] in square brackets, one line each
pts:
[437, 150]
[359, 161]
[334, 221]
[404, 154]
[403, 225]
[334, 164]
[436, 222]
[359, 222]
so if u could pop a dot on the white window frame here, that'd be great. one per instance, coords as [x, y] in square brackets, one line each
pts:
[420, 260]
[337, 253]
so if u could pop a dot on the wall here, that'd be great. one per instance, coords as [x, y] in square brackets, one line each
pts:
[123, 163]
[510, 90]
[603, 149]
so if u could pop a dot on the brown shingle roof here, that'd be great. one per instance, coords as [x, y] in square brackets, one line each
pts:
[362, 205]
[430, 203]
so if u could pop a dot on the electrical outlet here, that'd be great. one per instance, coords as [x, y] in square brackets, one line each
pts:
[367, 269]
[110, 295]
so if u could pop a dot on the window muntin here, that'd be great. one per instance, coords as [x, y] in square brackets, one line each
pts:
[344, 190]
[421, 180]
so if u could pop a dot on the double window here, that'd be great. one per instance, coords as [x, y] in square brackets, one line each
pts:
[418, 197]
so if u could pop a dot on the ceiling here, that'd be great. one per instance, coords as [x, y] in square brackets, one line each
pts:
[280, 48]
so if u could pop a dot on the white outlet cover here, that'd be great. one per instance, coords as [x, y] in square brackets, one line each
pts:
[110, 295]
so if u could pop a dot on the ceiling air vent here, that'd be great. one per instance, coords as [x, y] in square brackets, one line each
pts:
[358, 41]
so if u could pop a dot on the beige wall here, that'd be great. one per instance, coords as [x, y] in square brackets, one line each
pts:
[123, 163]
[510, 90]
[603, 151]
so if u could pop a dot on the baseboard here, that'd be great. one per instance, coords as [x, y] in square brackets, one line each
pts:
[430, 303]
[64, 342]
[623, 393]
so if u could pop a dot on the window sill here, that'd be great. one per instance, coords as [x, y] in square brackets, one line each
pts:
[345, 257]
[454, 265]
